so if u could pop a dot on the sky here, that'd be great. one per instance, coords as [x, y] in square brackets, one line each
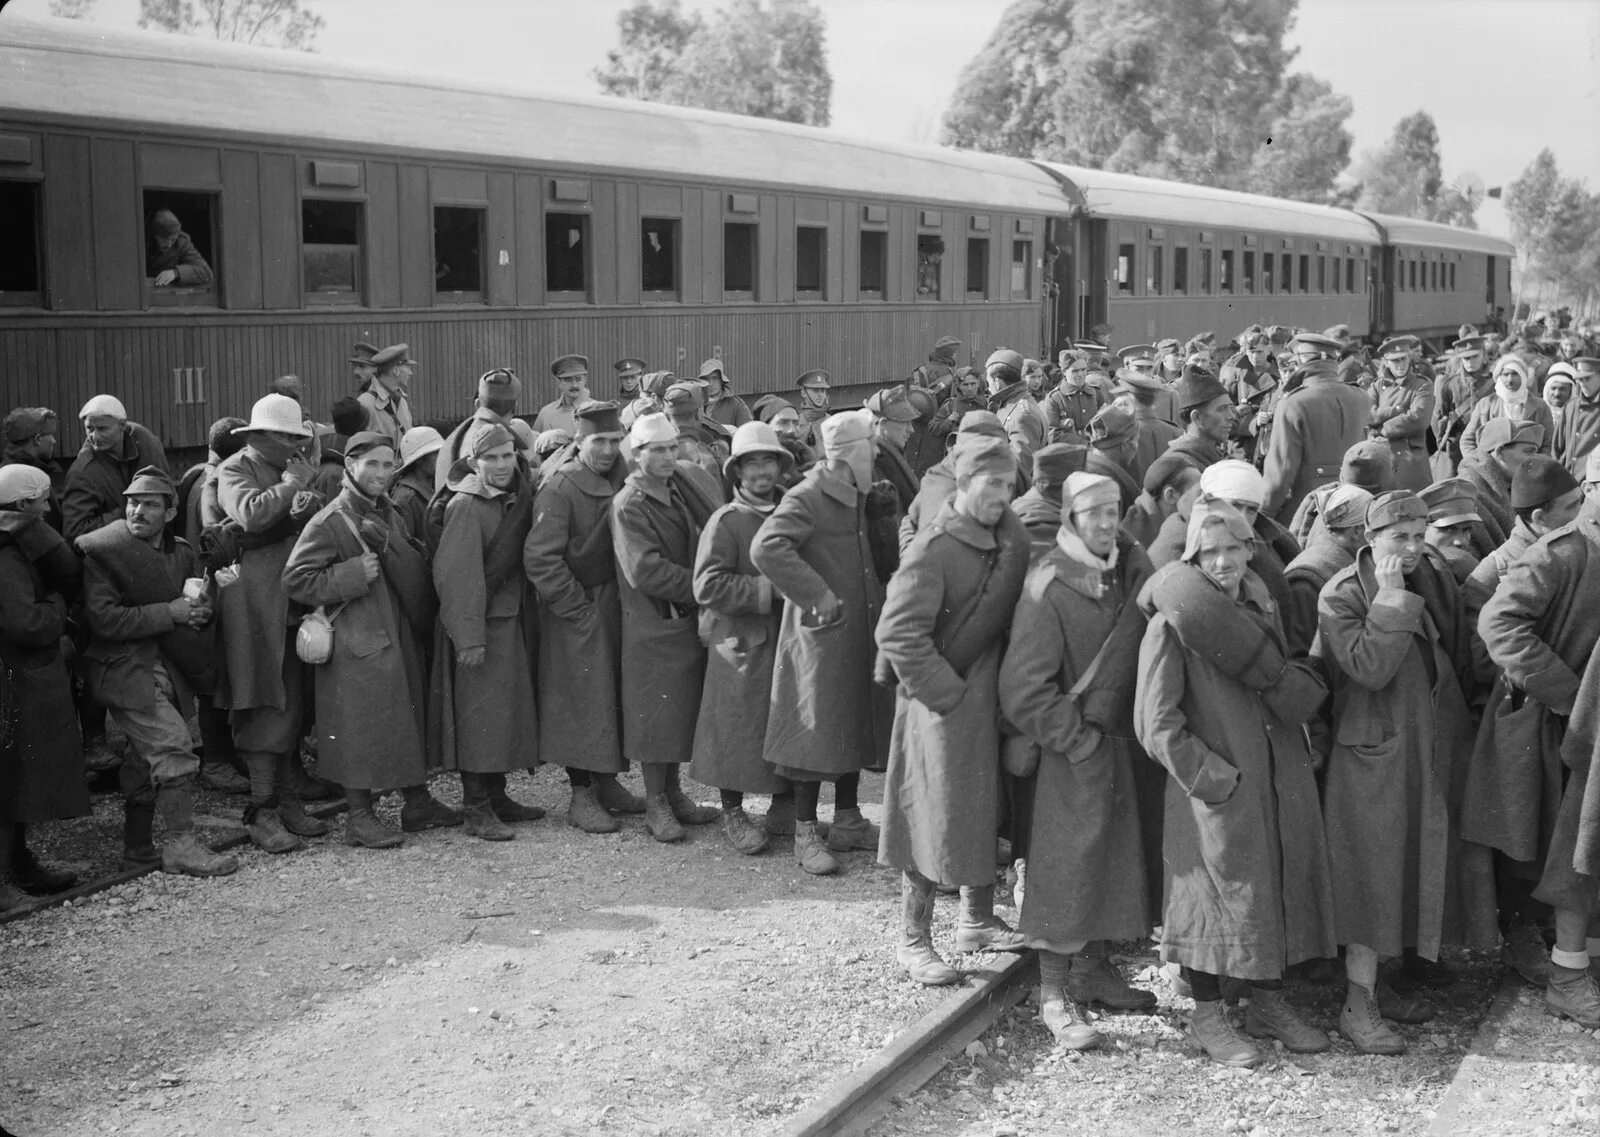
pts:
[1502, 78]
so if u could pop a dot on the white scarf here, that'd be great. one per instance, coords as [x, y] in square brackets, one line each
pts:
[1515, 401]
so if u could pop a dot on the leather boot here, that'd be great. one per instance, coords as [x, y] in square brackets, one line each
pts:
[423, 811]
[1095, 981]
[479, 819]
[1060, 1016]
[506, 809]
[1211, 1030]
[915, 952]
[362, 829]
[779, 821]
[1361, 1022]
[295, 818]
[744, 835]
[686, 811]
[31, 876]
[850, 830]
[1271, 1016]
[182, 853]
[978, 928]
[1430, 973]
[614, 796]
[1573, 994]
[307, 786]
[1399, 1008]
[266, 829]
[1525, 952]
[138, 827]
[223, 778]
[10, 896]
[811, 851]
[588, 814]
[660, 819]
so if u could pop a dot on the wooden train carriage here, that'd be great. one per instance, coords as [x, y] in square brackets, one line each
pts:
[484, 225]
[1158, 258]
[1434, 278]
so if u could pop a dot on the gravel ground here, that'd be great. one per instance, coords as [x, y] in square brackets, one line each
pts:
[1147, 1080]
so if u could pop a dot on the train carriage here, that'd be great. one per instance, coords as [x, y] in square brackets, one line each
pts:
[1431, 274]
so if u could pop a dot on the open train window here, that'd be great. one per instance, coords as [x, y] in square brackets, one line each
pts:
[21, 285]
[330, 251]
[658, 258]
[1267, 268]
[1305, 272]
[739, 260]
[1180, 272]
[810, 261]
[1205, 272]
[1155, 271]
[1022, 270]
[458, 253]
[1350, 274]
[180, 248]
[1125, 269]
[930, 255]
[977, 268]
[1225, 271]
[874, 263]
[1411, 275]
[566, 257]
[1249, 273]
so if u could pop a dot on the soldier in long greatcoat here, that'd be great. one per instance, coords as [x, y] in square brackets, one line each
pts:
[828, 720]
[569, 558]
[358, 557]
[482, 717]
[1402, 411]
[656, 520]
[739, 616]
[1067, 684]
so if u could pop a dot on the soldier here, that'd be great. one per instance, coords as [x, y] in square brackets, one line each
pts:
[1170, 357]
[1165, 482]
[482, 717]
[1113, 443]
[31, 439]
[1559, 385]
[813, 387]
[702, 442]
[1342, 535]
[1503, 445]
[1512, 398]
[1546, 497]
[1456, 392]
[569, 557]
[361, 369]
[939, 641]
[1019, 415]
[651, 398]
[1250, 377]
[414, 483]
[1142, 360]
[499, 391]
[781, 416]
[739, 621]
[173, 261]
[1368, 464]
[1402, 409]
[1073, 402]
[1205, 415]
[1580, 422]
[938, 375]
[655, 530]
[966, 396]
[1316, 422]
[386, 396]
[358, 556]
[629, 372]
[722, 405]
[113, 448]
[829, 720]
[1137, 393]
[572, 381]
[893, 417]
[1453, 520]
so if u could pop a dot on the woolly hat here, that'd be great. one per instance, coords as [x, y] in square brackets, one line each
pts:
[1233, 480]
[20, 482]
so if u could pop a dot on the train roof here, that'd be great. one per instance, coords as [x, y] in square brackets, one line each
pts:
[69, 71]
[1130, 196]
[1433, 235]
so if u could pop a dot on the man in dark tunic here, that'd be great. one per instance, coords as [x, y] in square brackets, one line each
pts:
[113, 448]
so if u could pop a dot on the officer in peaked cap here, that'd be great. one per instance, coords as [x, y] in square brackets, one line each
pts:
[386, 397]
[629, 372]
[572, 380]
[1316, 420]
[813, 387]
[1139, 392]
[1138, 357]
[1012, 403]
[1456, 392]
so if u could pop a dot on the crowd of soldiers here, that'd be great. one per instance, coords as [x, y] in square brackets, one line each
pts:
[1278, 650]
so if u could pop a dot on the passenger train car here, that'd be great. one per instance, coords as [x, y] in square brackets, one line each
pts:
[489, 225]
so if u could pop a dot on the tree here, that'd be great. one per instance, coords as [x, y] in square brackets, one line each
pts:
[1169, 88]
[1555, 222]
[1404, 175]
[265, 23]
[765, 58]
[72, 9]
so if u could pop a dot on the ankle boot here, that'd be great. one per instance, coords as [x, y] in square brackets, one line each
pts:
[504, 807]
[266, 829]
[478, 816]
[1573, 994]
[1361, 1022]
[1525, 952]
[850, 830]
[138, 828]
[1271, 1016]
[686, 811]
[1060, 1017]
[1399, 1008]
[660, 820]
[362, 829]
[811, 852]
[588, 814]
[181, 852]
[295, 818]
[306, 785]
[614, 796]
[223, 778]
[744, 835]
[915, 952]
[423, 811]
[31, 876]
[1095, 981]
[779, 821]
[1211, 1030]
[978, 928]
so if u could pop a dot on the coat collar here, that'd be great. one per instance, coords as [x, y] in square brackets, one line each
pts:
[658, 492]
[837, 488]
[963, 528]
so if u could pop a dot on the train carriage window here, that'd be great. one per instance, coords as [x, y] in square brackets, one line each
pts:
[1125, 269]
[180, 247]
[810, 261]
[658, 258]
[1249, 271]
[1411, 275]
[1349, 274]
[1180, 271]
[739, 260]
[874, 264]
[1452, 278]
[330, 251]
[458, 252]
[1305, 272]
[1155, 272]
[1433, 274]
[566, 256]
[930, 254]
[1022, 270]
[1225, 271]
[20, 283]
[1268, 266]
[1205, 271]
[977, 268]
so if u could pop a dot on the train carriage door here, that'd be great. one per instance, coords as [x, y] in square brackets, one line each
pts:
[1488, 289]
[1383, 284]
[1061, 297]
[1094, 280]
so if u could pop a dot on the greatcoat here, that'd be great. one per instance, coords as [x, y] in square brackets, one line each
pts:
[739, 617]
[827, 715]
[655, 529]
[1315, 424]
[1402, 411]
[569, 558]
[1494, 497]
[1067, 684]
[1248, 887]
[1492, 406]
[373, 691]
[1304, 579]
[1400, 665]
[941, 794]
[92, 494]
[1580, 427]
